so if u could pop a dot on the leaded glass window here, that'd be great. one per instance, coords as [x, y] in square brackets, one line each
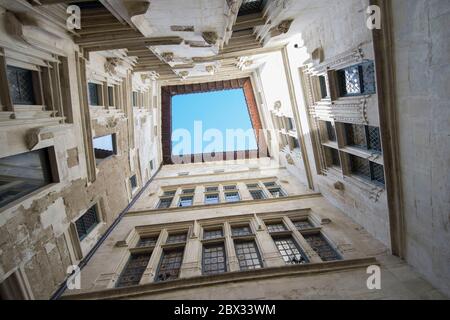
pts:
[374, 138]
[239, 231]
[87, 222]
[322, 247]
[257, 194]
[134, 270]
[232, 197]
[212, 198]
[377, 171]
[276, 227]
[170, 264]
[357, 79]
[212, 234]
[214, 260]
[366, 137]
[165, 203]
[177, 238]
[368, 170]
[20, 83]
[147, 241]
[290, 251]
[248, 255]
[303, 224]
[186, 201]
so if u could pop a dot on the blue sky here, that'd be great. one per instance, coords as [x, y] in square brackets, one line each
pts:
[220, 110]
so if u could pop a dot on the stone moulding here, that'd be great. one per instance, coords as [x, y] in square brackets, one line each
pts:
[239, 276]
[349, 111]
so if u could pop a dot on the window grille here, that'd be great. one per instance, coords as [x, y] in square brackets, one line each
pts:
[134, 270]
[87, 222]
[365, 137]
[257, 194]
[214, 260]
[303, 224]
[177, 238]
[360, 167]
[165, 203]
[374, 139]
[20, 83]
[377, 172]
[357, 79]
[232, 197]
[241, 231]
[170, 264]
[212, 198]
[321, 246]
[147, 241]
[248, 255]
[276, 227]
[290, 251]
[212, 234]
[186, 201]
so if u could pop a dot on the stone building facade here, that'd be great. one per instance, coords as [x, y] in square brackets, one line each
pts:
[350, 172]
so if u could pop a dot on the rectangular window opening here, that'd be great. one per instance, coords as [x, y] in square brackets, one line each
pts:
[104, 147]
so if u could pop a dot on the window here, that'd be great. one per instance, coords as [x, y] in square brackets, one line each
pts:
[303, 224]
[270, 184]
[177, 238]
[365, 137]
[276, 227]
[357, 80]
[151, 165]
[133, 183]
[94, 94]
[321, 246]
[165, 203]
[212, 189]
[111, 96]
[229, 188]
[248, 255]
[212, 234]
[188, 191]
[290, 124]
[169, 193]
[368, 170]
[87, 222]
[170, 264]
[232, 197]
[251, 6]
[332, 156]
[213, 259]
[276, 192]
[212, 198]
[252, 186]
[323, 87]
[290, 251]
[134, 270]
[331, 131]
[135, 99]
[186, 201]
[24, 173]
[104, 147]
[147, 241]
[240, 231]
[21, 86]
[257, 194]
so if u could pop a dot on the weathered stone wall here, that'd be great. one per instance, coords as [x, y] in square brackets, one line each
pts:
[421, 46]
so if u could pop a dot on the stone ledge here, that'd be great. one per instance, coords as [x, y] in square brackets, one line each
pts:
[240, 276]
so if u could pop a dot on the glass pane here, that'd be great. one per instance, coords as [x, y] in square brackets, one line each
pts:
[147, 241]
[212, 199]
[214, 260]
[87, 222]
[93, 94]
[331, 130]
[322, 247]
[248, 255]
[374, 139]
[257, 194]
[360, 167]
[104, 147]
[165, 203]
[169, 267]
[377, 173]
[134, 270]
[290, 251]
[186, 201]
[232, 197]
[20, 83]
[350, 82]
[241, 231]
[303, 224]
[212, 234]
[277, 192]
[276, 227]
[177, 238]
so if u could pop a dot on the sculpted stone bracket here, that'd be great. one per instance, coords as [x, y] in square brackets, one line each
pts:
[38, 137]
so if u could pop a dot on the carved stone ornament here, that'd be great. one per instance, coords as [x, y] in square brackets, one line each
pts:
[111, 65]
[167, 56]
[277, 105]
[284, 26]
[184, 74]
[210, 37]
